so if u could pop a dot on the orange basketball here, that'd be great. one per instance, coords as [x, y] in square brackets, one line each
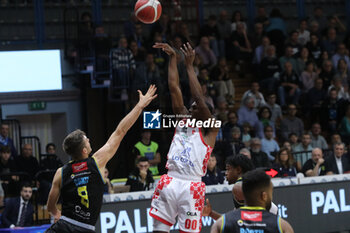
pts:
[148, 11]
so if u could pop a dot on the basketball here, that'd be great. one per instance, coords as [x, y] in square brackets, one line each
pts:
[148, 11]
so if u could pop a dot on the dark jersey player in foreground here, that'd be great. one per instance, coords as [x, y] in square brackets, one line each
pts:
[80, 182]
[254, 217]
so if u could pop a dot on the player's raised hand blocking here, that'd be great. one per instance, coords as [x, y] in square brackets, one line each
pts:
[166, 48]
[148, 97]
[189, 53]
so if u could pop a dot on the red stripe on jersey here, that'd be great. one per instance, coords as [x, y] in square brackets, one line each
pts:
[159, 218]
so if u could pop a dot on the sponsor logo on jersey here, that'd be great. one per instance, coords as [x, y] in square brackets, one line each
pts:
[81, 181]
[81, 213]
[247, 230]
[240, 222]
[78, 167]
[189, 213]
[255, 216]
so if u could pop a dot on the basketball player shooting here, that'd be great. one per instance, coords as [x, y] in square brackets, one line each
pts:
[80, 182]
[180, 192]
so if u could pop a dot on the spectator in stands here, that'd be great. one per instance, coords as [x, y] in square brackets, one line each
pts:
[330, 114]
[264, 115]
[146, 74]
[18, 210]
[317, 140]
[289, 85]
[343, 73]
[139, 37]
[245, 152]
[222, 81]
[277, 30]
[334, 22]
[316, 165]
[302, 152]
[205, 53]
[246, 134]
[314, 47]
[285, 164]
[206, 95]
[327, 73]
[235, 145]
[314, 100]
[103, 45]
[211, 31]
[237, 19]
[291, 123]
[224, 27]
[261, 16]
[108, 188]
[304, 34]
[51, 160]
[315, 29]
[293, 42]
[254, 93]
[341, 53]
[214, 174]
[293, 140]
[308, 77]
[261, 49]
[247, 113]
[185, 33]
[330, 43]
[344, 127]
[276, 111]
[138, 54]
[26, 162]
[319, 17]
[149, 149]
[242, 50]
[141, 178]
[257, 39]
[5, 140]
[269, 70]
[287, 145]
[259, 158]
[232, 122]
[221, 110]
[337, 164]
[162, 27]
[8, 165]
[337, 84]
[302, 60]
[129, 26]
[288, 57]
[268, 144]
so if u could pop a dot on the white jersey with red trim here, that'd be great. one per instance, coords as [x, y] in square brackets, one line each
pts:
[188, 154]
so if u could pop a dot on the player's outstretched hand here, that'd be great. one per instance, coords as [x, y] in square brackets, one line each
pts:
[144, 100]
[207, 209]
[189, 53]
[165, 47]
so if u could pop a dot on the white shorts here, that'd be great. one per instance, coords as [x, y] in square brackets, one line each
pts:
[183, 198]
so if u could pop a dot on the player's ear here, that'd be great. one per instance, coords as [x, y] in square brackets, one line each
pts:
[264, 196]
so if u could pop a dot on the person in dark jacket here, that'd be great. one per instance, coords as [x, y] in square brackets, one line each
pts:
[214, 174]
[141, 178]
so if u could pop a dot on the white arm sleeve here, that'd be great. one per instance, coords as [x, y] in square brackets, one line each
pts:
[273, 209]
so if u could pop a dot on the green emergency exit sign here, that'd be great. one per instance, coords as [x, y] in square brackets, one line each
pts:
[37, 105]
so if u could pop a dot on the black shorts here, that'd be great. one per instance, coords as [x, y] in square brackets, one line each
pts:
[62, 226]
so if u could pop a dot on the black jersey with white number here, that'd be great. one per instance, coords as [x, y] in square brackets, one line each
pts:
[250, 220]
[82, 191]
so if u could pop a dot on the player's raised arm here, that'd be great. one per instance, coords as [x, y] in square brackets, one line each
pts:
[196, 90]
[106, 152]
[173, 79]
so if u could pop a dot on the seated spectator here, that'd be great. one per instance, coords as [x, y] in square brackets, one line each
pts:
[308, 77]
[261, 16]
[246, 134]
[18, 210]
[205, 53]
[237, 19]
[211, 31]
[256, 39]
[241, 50]
[268, 144]
[304, 34]
[235, 145]
[259, 158]
[287, 145]
[338, 163]
[138, 54]
[224, 27]
[269, 70]
[51, 160]
[261, 50]
[315, 29]
[5, 140]
[288, 57]
[319, 17]
[102, 44]
[316, 165]
[291, 124]
[108, 188]
[276, 30]
[8, 165]
[146, 74]
[302, 152]
[343, 73]
[289, 86]
[344, 127]
[206, 95]
[284, 164]
[327, 74]
[141, 178]
[293, 42]
[302, 60]
[264, 115]
[330, 43]
[26, 162]
[341, 54]
[149, 149]
[314, 100]
[221, 110]
[222, 80]
[139, 36]
[317, 140]
[245, 152]
[293, 140]
[247, 113]
[314, 47]
[228, 126]
[337, 84]
[276, 111]
[331, 111]
[254, 93]
[213, 175]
